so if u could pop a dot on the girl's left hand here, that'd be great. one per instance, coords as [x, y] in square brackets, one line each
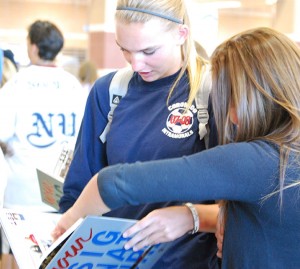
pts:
[159, 226]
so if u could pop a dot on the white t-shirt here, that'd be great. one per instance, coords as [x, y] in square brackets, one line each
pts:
[40, 109]
[3, 177]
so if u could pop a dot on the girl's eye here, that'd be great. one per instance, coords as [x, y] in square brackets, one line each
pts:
[151, 52]
[146, 52]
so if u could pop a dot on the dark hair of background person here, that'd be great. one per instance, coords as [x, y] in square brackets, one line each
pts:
[10, 55]
[9, 67]
[47, 37]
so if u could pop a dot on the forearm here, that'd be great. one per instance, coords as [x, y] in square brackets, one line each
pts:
[89, 201]
[208, 215]
[214, 174]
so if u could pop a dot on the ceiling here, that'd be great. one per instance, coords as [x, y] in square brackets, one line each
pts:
[238, 7]
[81, 2]
[244, 3]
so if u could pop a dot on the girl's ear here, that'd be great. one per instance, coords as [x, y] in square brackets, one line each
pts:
[183, 32]
[233, 116]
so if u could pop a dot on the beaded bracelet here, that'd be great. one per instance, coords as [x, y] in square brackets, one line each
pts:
[195, 215]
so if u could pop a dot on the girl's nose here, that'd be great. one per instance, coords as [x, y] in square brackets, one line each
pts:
[137, 62]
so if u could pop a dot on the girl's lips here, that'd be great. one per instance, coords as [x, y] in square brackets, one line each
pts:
[144, 73]
[147, 76]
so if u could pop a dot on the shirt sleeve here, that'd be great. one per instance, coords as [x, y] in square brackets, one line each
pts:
[239, 172]
[90, 152]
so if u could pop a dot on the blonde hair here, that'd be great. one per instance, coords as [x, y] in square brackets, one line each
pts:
[8, 71]
[201, 51]
[257, 73]
[87, 72]
[192, 62]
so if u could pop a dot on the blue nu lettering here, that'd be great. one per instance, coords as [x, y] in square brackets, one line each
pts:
[45, 131]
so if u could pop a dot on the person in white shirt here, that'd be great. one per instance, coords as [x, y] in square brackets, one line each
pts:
[3, 175]
[41, 108]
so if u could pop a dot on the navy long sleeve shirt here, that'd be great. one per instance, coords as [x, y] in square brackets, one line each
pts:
[260, 231]
[144, 127]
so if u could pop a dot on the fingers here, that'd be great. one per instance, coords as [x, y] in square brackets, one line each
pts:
[62, 225]
[135, 228]
[219, 254]
[219, 244]
[159, 226]
[142, 235]
[219, 235]
[57, 232]
[144, 238]
[146, 232]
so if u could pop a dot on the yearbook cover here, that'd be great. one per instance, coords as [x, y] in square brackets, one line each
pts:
[51, 182]
[92, 242]
[51, 188]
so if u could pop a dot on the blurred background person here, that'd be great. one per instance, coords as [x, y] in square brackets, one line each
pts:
[41, 108]
[8, 66]
[87, 75]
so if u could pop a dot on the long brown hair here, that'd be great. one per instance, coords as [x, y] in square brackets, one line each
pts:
[257, 72]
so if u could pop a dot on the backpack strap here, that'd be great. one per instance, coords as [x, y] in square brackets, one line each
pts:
[117, 90]
[201, 101]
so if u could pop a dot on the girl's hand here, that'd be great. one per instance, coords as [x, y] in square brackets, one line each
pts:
[65, 222]
[159, 226]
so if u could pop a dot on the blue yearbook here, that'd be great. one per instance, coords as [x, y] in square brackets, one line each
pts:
[91, 243]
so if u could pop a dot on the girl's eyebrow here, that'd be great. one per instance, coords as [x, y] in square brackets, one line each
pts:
[149, 48]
